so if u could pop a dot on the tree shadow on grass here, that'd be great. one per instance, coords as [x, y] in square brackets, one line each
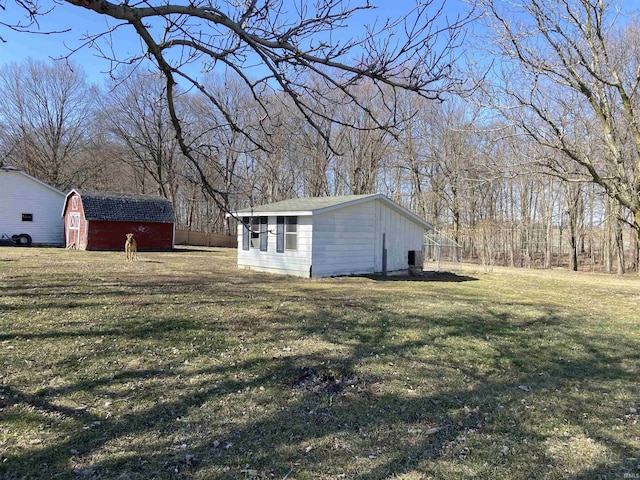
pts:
[327, 412]
[387, 392]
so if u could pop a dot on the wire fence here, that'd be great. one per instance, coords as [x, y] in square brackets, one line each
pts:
[439, 248]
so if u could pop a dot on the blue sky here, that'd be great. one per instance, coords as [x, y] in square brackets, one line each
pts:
[20, 46]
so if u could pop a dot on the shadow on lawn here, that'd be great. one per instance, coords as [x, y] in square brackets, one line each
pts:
[423, 277]
[330, 403]
[328, 406]
[196, 249]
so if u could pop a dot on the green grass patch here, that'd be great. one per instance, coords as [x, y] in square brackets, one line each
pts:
[182, 366]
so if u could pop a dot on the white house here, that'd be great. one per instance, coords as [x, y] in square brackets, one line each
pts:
[326, 236]
[30, 206]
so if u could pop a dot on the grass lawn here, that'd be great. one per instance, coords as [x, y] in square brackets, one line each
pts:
[182, 366]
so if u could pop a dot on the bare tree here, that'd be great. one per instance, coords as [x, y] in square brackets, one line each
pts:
[364, 147]
[136, 115]
[47, 112]
[221, 145]
[572, 73]
[575, 214]
[318, 159]
[453, 148]
[271, 45]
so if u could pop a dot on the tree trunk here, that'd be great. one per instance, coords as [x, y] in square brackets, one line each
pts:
[548, 243]
[636, 251]
[548, 240]
[560, 231]
[573, 242]
[619, 242]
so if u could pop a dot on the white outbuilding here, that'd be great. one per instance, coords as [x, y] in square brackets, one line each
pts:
[29, 206]
[327, 236]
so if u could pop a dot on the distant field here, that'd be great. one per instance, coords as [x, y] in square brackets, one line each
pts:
[182, 366]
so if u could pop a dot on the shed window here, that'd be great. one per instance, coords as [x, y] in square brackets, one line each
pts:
[27, 217]
[291, 233]
[74, 203]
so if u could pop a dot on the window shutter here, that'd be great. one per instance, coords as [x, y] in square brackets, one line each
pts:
[245, 233]
[264, 238]
[280, 235]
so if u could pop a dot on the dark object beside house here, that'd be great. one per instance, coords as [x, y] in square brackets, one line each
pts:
[19, 240]
[6, 241]
[100, 221]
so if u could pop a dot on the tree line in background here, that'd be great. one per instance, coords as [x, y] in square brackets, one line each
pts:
[536, 166]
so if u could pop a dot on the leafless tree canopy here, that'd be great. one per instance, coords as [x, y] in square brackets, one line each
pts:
[45, 113]
[273, 46]
[232, 104]
[570, 81]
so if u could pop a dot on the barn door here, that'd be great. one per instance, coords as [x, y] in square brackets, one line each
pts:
[73, 230]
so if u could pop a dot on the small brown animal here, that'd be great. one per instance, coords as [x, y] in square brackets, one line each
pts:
[131, 248]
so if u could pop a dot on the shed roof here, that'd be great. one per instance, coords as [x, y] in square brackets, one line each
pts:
[299, 205]
[317, 205]
[125, 207]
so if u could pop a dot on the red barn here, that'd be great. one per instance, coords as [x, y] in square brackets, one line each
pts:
[100, 221]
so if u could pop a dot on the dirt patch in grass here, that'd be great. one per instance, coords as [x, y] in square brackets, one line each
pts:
[181, 366]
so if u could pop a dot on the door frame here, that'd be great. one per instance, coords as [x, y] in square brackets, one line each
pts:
[73, 225]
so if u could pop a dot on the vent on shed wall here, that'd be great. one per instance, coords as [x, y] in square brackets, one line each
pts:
[415, 259]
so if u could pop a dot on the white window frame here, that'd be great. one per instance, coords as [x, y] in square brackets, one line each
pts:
[290, 235]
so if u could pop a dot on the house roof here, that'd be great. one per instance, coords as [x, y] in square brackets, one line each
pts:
[10, 169]
[124, 207]
[317, 205]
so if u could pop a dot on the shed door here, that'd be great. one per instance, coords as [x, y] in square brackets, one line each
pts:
[73, 230]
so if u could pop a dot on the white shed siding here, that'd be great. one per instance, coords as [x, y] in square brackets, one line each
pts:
[402, 235]
[20, 193]
[290, 262]
[344, 241]
[340, 236]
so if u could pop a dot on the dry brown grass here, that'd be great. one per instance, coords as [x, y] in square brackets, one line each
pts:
[182, 366]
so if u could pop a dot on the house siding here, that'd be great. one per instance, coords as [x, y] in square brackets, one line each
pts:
[350, 240]
[291, 262]
[402, 235]
[20, 193]
[339, 239]
[344, 241]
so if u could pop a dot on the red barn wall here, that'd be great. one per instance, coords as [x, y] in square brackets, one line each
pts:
[104, 235]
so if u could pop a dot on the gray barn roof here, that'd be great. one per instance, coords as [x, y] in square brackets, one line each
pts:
[125, 207]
